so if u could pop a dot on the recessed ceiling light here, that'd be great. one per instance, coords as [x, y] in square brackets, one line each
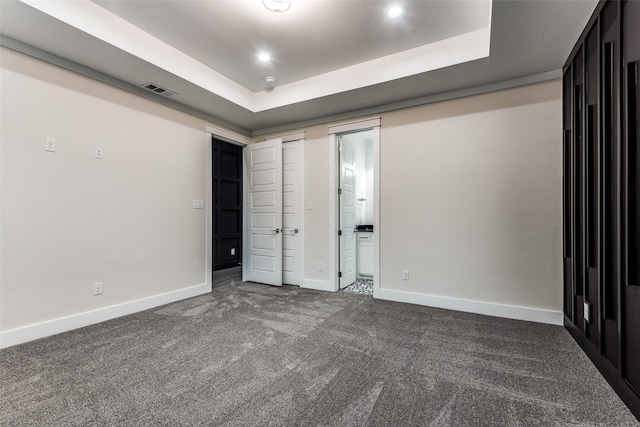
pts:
[264, 57]
[277, 5]
[394, 11]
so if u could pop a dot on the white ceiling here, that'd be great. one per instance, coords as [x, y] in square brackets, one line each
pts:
[330, 57]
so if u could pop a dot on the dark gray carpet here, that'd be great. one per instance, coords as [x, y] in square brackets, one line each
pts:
[253, 355]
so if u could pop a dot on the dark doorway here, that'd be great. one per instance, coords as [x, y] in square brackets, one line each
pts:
[227, 205]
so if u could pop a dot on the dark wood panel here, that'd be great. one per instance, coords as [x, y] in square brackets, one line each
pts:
[578, 190]
[227, 205]
[610, 182]
[567, 191]
[631, 160]
[592, 183]
[601, 195]
[567, 84]
[568, 294]
[567, 160]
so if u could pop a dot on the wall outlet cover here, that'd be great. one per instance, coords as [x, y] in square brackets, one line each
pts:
[50, 145]
[97, 288]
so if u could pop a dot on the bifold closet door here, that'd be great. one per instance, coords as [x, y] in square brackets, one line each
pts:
[264, 237]
[631, 177]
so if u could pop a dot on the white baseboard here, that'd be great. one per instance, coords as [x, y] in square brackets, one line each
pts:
[469, 306]
[319, 285]
[63, 324]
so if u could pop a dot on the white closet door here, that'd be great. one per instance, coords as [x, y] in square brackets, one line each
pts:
[347, 212]
[264, 168]
[292, 180]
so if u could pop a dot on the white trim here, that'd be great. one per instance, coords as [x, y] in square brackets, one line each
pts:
[421, 59]
[227, 135]
[318, 285]
[245, 216]
[100, 23]
[51, 327]
[376, 209]
[334, 262]
[288, 137]
[354, 125]
[208, 209]
[372, 123]
[469, 306]
[236, 139]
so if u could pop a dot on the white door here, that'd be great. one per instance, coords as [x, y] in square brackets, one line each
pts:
[264, 245]
[291, 192]
[347, 152]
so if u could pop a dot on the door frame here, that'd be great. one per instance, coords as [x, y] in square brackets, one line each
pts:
[225, 146]
[372, 123]
[232, 138]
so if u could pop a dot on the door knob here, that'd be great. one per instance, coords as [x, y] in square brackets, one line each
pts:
[295, 230]
[277, 230]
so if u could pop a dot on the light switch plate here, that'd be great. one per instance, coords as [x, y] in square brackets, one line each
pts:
[198, 204]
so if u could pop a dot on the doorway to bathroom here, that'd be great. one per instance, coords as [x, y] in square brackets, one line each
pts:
[356, 216]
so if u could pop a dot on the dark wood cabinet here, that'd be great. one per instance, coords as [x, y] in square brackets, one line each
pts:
[227, 205]
[601, 189]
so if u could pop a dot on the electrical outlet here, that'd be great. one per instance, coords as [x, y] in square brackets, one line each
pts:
[320, 266]
[233, 251]
[97, 288]
[99, 153]
[405, 274]
[50, 145]
[587, 310]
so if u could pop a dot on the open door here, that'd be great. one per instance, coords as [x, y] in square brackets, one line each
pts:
[264, 208]
[347, 193]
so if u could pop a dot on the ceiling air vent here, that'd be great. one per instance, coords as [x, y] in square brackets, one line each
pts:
[158, 89]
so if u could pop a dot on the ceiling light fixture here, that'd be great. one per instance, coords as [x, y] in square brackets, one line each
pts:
[264, 57]
[394, 11]
[277, 5]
